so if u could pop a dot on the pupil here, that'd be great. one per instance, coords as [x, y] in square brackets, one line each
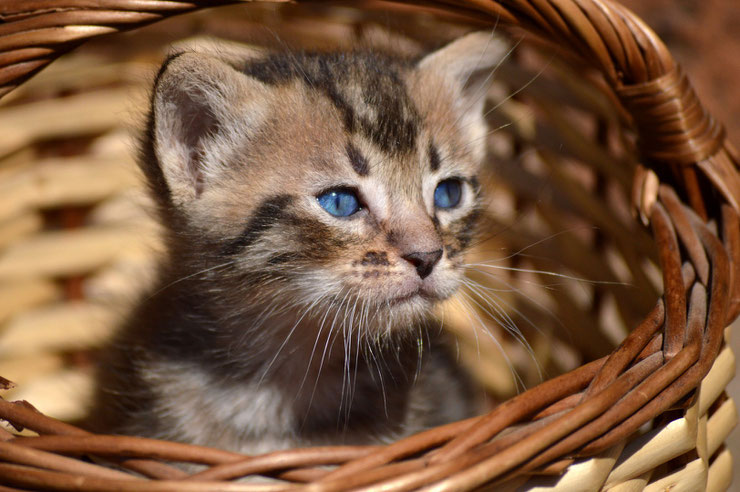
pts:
[339, 203]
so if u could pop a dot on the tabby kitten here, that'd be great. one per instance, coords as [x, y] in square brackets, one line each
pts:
[317, 206]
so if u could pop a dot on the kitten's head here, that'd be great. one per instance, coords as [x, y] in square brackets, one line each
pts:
[345, 180]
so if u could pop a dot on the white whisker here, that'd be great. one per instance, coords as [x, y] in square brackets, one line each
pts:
[547, 273]
[518, 380]
[504, 320]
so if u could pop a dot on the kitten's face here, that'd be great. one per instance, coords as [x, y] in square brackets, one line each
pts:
[341, 181]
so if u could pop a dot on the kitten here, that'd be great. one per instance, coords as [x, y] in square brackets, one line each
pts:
[317, 206]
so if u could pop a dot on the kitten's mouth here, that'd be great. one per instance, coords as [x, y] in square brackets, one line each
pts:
[417, 294]
[400, 300]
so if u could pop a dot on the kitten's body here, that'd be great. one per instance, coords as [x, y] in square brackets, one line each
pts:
[277, 322]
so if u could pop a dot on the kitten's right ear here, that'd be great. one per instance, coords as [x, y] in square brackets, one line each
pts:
[466, 64]
[202, 109]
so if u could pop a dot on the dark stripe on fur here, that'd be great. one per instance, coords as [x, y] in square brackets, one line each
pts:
[279, 259]
[463, 230]
[319, 241]
[267, 214]
[467, 228]
[358, 161]
[434, 161]
[275, 70]
[396, 124]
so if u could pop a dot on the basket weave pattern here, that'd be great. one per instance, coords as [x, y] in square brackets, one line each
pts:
[671, 369]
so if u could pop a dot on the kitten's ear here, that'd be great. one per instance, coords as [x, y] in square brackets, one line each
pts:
[203, 108]
[466, 63]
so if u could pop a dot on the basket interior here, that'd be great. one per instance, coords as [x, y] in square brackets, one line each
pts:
[558, 275]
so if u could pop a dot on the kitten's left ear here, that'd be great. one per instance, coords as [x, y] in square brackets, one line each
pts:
[466, 63]
[203, 109]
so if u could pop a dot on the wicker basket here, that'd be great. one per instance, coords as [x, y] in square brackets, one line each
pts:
[594, 123]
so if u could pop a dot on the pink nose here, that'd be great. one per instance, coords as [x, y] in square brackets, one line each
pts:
[423, 262]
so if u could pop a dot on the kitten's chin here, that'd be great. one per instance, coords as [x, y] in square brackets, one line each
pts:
[411, 307]
[426, 299]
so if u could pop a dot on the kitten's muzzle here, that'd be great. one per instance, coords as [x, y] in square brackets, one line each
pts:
[423, 261]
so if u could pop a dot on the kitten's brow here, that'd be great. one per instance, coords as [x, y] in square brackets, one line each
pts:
[434, 160]
[358, 161]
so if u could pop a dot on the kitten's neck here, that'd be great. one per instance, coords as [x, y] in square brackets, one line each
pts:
[314, 364]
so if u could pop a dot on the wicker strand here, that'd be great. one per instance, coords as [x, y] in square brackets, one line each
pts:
[34, 33]
[672, 124]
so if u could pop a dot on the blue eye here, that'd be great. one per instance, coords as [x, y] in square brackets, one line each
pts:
[339, 203]
[448, 193]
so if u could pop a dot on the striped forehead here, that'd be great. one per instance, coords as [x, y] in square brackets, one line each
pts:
[366, 89]
[400, 174]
